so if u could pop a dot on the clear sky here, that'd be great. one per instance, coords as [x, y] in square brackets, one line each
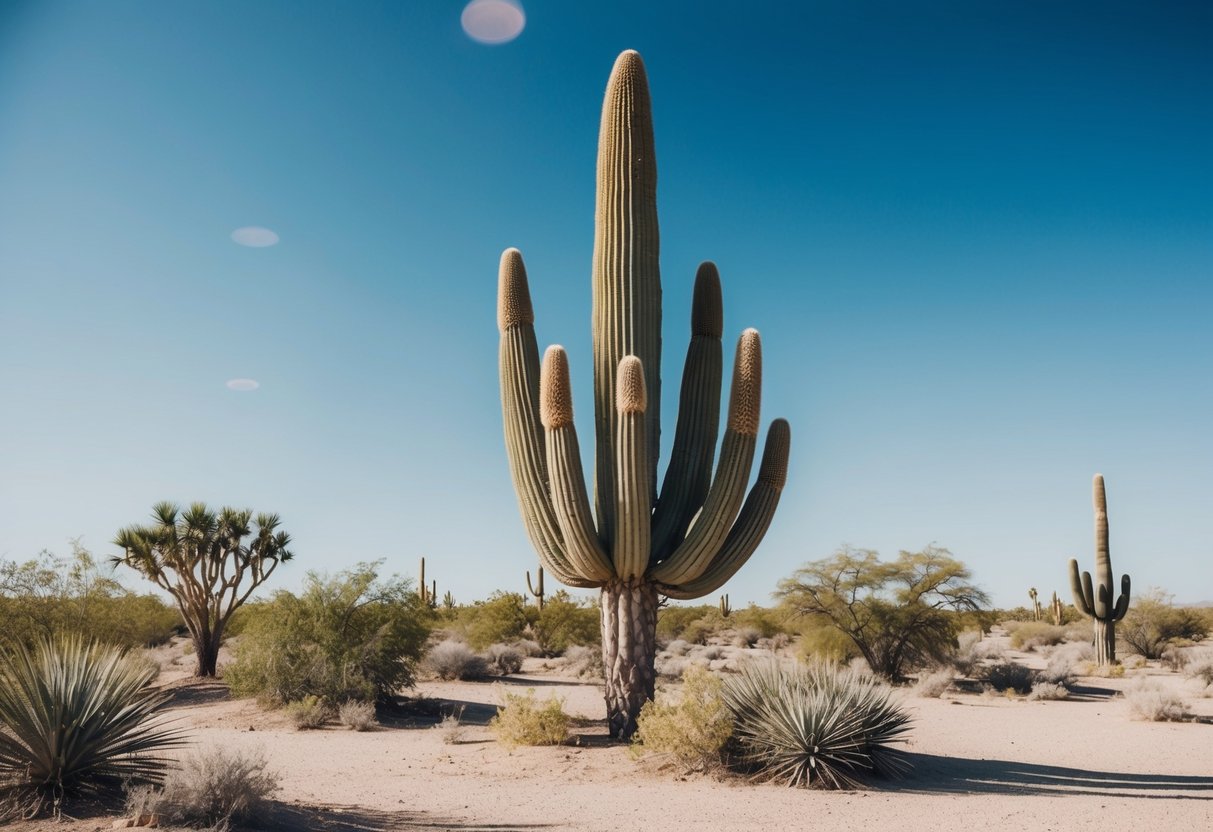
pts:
[977, 238]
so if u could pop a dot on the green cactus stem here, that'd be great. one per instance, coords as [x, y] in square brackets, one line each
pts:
[428, 595]
[448, 601]
[1093, 598]
[725, 609]
[1058, 610]
[536, 589]
[636, 538]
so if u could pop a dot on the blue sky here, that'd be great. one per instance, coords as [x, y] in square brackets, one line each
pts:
[977, 239]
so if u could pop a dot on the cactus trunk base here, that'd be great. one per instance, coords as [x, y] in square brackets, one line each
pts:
[1105, 642]
[629, 646]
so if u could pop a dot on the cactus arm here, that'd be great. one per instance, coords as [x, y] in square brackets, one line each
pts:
[570, 502]
[524, 438]
[695, 553]
[752, 523]
[633, 489]
[690, 470]
[626, 279]
[1122, 603]
[1079, 591]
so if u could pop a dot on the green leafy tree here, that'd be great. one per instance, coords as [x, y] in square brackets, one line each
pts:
[352, 636]
[1153, 623]
[210, 562]
[563, 623]
[897, 614]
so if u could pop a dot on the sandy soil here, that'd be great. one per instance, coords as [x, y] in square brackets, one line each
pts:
[980, 762]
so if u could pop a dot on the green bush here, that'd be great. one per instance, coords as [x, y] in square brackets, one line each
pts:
[673, 620]
[693, 728]
[351, 636]
[564, 623]
[823, 642]
[814, 724]
[523, 720]
[308, 712]
[1007, 675]
[51, 596]
[502, 618]
[1153, 624]
[1028, 635]
[77, 722]
[768, 622]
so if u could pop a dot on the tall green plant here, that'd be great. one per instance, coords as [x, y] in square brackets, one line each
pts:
[682, 537]
[202, 558]
[1094, 598]
[75, 720]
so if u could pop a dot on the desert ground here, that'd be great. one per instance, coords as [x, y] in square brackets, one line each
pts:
[980, 762]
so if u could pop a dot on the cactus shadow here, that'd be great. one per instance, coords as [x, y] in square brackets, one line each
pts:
[426, 713]
[933, 774]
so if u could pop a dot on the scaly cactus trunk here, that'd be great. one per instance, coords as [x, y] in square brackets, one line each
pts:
[629, 649]
[632, 544]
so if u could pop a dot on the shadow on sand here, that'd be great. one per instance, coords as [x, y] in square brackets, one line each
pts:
[360, 819]
[954, 775]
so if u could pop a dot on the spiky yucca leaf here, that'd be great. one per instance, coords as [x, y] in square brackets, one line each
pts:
[75, 721]
[807, 725]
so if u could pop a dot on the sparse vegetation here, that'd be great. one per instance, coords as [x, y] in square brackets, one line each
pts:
[524, 720]
[1007, 675]
[308, 712]
[691, 728]
[1045, 691]
[1153, 623]
[356, 715]
[1151, 701]
[453, 730]
[1029, 635]
[503, 659]
[453, 659]
[804, 725]
[77, 721]
[211, 788]
[932, 685]
[349, 636]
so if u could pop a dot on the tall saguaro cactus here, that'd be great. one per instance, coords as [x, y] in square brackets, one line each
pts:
[638, 542]
[1094, 598]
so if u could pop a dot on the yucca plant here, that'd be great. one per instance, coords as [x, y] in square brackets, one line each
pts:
[75, 721]
[814, 724]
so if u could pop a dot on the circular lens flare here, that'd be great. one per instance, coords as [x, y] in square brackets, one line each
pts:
[493, 21]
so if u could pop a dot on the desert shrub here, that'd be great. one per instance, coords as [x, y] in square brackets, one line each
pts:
[692, 728]
[503, 660]
[581, 663]
[932, 685]
[452, 659]
[1200, 666]
[1063, 666]
[698, 631]
[523, 720]
[671, 667]
[823, 642]
[1106, 671]
[1153, 623]
[968, 653]
[49, 596]
[360, 716]
[1175, 658]
[775, 643]
[77, 721]
[452, 728]
[899, 614]
[673, 620]
[1007, 675]
[1148, 700]
[349, 636]
[564, 622]
[746, 636]
[1134, 662]
[808, 724]
[768, 621]
[502, 618]
[528, 647]
[307, 713]
[1043, 691]
[211, 788]
[1029, 635]
[678, 647]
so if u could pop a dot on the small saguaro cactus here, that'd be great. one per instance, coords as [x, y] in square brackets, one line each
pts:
[725, 609]
[448, 601]
[1035, 604]
[1058, 610]
[536, 589]
[641, 538]
[429, 595]
[1094, 598]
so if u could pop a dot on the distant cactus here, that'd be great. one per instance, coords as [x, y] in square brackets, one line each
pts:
[634, 543]
[1094, 599]
[448, 601]
[725, 609]
[1058, 610]
[429, 596]
[536, 589]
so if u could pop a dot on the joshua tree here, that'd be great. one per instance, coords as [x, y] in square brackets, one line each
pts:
[635, 545]
[537, 588]
[1035, 604]
[1094, 600]
[200, 557]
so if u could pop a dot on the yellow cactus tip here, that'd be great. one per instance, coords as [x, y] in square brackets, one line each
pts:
[774, 467]
[630, 395]
[746, 399]
[513, 294]
[555, 393]
[707, 306]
